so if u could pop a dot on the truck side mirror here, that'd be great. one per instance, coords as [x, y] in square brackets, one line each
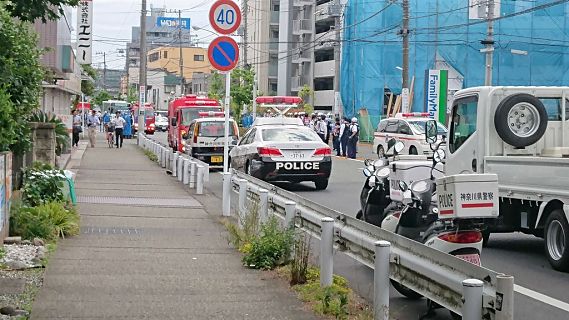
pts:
[431, 131]
[174, 122]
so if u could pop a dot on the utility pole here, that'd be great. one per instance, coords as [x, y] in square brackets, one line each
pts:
[245, 31]
[405, 35]
[489, 43]
[337, 51]
[142, 73]
[182, 84]
[105, 71]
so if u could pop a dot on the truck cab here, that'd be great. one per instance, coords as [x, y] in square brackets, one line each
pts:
[522, 135]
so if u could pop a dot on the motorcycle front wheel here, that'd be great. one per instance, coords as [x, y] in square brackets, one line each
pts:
[410, 294]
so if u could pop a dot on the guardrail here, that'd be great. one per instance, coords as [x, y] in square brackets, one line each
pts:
[466, 289]
[190, 171]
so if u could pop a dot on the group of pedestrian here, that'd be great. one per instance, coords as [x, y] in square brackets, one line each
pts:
[344, 133]
[93, 123]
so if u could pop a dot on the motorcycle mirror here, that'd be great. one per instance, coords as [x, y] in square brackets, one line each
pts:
[399, 146]
[379, 163]
[383, 173]
[372, 182]
[420, 186]
[403, 186]
[439, 156]
[390, 143]
[431, 131]
[367, 172]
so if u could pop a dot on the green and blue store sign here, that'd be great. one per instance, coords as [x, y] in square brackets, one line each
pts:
[436, 88]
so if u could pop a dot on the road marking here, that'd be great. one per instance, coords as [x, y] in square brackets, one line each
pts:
[542, 298]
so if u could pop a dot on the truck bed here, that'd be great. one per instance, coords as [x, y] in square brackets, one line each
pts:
[530, 178]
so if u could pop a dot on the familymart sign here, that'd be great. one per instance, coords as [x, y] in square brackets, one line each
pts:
[436, 86]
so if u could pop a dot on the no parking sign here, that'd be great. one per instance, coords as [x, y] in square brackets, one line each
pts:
[223, 53]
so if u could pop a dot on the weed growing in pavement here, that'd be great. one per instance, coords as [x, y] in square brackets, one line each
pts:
[241, 235]
[151, 155]
[270, 248]
[299, 263]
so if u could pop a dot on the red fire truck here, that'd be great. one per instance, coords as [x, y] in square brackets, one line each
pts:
[150, 121]
[181, 112]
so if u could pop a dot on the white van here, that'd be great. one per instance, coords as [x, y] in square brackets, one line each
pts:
[205, 139]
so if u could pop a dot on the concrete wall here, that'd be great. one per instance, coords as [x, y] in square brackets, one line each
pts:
[43, 143]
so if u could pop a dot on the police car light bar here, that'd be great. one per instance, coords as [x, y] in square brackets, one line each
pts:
[287, 100]
[413, 115]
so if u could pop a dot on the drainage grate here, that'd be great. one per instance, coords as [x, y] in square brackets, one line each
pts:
[143, 202]
[111, 231]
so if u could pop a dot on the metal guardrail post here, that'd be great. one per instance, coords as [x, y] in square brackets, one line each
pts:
[174, 164]
[186, 172]
[180, 168]
[290, 211]
[242, 196]
[326, 252]
[263, 205]
[200, 178]
[163, 153]
[505, 290]
[381, 280]
[226, 194]
[206, 174]
[193, 175]
[472, 297]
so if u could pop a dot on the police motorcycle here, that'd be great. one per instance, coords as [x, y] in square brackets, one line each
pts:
[374, 197]
[436, 214]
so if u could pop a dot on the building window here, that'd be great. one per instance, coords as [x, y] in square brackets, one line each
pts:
[198, 57]
[154, 56]
[321, 84]
[165, 54]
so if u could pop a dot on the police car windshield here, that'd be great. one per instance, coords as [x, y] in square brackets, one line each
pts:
[289, 134]
[419, 127]
[214, 129]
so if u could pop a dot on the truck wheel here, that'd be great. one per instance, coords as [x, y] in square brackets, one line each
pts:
[557, 240]
[520, 120]
[321, 184]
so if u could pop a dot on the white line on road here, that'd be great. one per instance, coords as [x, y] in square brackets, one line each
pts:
[542, 298]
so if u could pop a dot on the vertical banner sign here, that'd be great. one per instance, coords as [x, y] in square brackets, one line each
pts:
[84, 31]
[436, 86]
[142, 100]
[405, 100]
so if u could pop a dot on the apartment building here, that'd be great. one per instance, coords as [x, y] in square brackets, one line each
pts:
[194, 60]
[64, 82]
[291, 44]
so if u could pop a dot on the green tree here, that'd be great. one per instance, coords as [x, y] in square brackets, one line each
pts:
[30, 10]
[101, 96]
[21, 75]
[241, 90]
[216, 87]
[87, 86]
[305, 93]
[131, 96]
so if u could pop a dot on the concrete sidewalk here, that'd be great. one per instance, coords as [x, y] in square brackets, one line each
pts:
[149, 250]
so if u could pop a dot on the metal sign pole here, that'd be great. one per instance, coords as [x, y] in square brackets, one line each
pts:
[227, 106]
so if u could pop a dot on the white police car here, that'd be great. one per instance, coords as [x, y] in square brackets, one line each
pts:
[283, 149]
[407, 127]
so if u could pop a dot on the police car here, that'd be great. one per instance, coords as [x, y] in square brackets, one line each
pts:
[205, 138]
[283, 149]
[407, 127]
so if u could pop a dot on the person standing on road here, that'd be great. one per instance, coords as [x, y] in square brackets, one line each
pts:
[322, 128]
[353, 139]
[336, 136]
[119, 123]
[344, 135]
[92, 125]
[77, 129]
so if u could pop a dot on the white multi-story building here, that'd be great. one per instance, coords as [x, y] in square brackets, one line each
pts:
[291, 44]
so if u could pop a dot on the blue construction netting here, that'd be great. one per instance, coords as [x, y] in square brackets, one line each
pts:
[443, 33]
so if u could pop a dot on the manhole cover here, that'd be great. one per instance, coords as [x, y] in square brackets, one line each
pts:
[142, 202]
[111, 231]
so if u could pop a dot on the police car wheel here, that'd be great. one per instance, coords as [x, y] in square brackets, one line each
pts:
[321, 184]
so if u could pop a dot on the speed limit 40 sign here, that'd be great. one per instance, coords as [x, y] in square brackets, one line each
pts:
[225, 16]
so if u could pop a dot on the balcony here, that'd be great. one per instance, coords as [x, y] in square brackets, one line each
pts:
[325, 40]
[296, 83]
[324, 98]
[327, 10]
[273, 70]
[302, 3]
[301, 56]
[273, 44]
[324, 69]
[302, 26]
[275, 17]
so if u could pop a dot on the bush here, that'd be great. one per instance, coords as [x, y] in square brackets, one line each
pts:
[270, 248]
[47, 221]
[42, 184]
[299, 264]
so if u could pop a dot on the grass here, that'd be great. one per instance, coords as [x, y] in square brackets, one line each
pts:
[336, 301]
[151, 155]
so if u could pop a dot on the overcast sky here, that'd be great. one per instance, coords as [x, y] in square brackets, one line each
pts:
[113, 19]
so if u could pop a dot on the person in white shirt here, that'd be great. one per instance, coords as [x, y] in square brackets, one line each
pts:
[119, 123]
[322, 128]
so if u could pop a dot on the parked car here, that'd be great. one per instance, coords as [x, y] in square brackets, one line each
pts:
[161, 123]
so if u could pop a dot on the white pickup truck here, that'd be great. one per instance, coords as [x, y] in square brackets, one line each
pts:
[522, 135]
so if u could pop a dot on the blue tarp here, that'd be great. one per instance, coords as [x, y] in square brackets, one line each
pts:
[372, 48]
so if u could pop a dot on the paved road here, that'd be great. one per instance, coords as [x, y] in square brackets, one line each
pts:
[544, 290]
